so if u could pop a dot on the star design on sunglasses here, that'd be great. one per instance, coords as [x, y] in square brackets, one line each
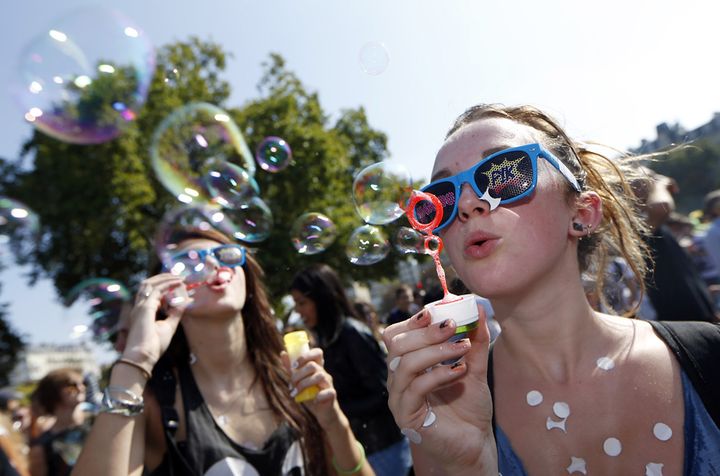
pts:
[503, 174]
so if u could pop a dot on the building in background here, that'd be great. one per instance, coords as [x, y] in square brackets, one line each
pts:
[675, 134]
[37, 360]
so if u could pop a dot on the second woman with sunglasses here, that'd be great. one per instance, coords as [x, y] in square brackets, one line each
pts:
[564, 389]
[206, 390]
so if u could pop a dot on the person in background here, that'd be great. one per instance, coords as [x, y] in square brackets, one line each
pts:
[711, 240]
[204, 386]
[369, 317]
[55, 451]
[13, 450]
[418, 300]
[356, 362]
[403, 301]
[674, 287]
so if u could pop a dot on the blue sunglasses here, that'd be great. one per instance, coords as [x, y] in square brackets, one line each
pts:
[501, 178]
[193, 264]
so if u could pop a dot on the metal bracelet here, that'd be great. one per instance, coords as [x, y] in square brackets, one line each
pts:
[129, 405]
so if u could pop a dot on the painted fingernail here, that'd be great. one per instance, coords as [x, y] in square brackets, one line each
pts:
[455, 365]
[393, 365]
[462, 343]
[294, 365]
[294, 392]
[444, 323]
[420, 316]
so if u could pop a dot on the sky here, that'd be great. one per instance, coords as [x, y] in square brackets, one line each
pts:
[609, 71]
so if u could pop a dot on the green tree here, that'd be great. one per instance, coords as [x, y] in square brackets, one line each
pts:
[697, 171]
[11, 344]
[99, 205]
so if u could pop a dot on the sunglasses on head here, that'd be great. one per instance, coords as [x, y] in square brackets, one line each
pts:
[503, 177]
[195, 266]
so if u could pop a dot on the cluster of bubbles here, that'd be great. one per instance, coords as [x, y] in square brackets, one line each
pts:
[380, 193]
[65, 73]
[105, 299]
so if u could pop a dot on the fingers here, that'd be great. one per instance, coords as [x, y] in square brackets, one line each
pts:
[152, 289]
[410, 405]
[311, 374]
[313, 355]
[420, 338]
[421, 319]
[414, 363]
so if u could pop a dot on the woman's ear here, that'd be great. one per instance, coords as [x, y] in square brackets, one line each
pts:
[588, 215]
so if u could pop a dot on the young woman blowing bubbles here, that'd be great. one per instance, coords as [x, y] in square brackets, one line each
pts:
[565, 389]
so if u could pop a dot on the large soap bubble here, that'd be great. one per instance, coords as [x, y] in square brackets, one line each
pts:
[230, 185]
[105, 299]
[367, 245]
[19, 224]
[381, 192]
[193, 142]
[250, 222]
[374, 58]
[85, 76]
[408, 240]
[312, 233]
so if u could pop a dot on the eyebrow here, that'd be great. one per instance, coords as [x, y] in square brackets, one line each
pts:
[442, 173]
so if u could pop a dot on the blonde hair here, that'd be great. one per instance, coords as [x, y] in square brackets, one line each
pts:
[621, 229]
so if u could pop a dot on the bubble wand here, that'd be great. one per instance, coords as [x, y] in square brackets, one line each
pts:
[462, 309]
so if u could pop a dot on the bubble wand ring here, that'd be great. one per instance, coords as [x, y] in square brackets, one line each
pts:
[417, 197]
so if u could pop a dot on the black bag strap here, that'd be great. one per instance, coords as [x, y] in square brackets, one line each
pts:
[696, 345]
[164, 384]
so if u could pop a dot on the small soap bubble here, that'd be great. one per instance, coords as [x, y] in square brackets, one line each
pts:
[273, 154]
[251, 222]
[104, 299]
[19, 224]
[409, 241]
[230, 185]
[312, 233]
[374, 58]
[86, 76]
[195, 216]
[367, 245]
[192, 141]
[381, 191]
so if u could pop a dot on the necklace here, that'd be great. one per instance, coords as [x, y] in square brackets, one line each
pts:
[222, 417]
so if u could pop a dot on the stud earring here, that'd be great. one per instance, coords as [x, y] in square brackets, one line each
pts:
[578, 226]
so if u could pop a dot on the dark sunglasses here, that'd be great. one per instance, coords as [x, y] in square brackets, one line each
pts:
[505, 176]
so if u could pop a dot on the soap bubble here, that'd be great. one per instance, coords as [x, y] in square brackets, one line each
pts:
[312, 233]
[193, 141]
[18, 223]
[409, 241]
[203, 217]
[105, 298]
[374, 58]
[273, 154]
[251, 221]
[230, 185]
[367, 245]
[85, 76]
[381, 191]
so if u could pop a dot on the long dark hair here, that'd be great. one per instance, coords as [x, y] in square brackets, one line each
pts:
[264, 345]
[321, 284]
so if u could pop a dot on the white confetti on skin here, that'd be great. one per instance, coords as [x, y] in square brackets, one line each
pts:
[412, 435]
[429, 418]
[662, 432]
[612, 447]
[534, 398]
[653, 469]
[605, 363]
[577, 465]
[551, 424]
[561, 409]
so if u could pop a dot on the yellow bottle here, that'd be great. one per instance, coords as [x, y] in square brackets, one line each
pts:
[297, 343]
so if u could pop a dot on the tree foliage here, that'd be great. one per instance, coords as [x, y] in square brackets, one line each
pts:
[696, 169]
[11, 344]
[99, 204]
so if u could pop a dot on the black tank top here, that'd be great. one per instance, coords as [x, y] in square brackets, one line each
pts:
[208, 451]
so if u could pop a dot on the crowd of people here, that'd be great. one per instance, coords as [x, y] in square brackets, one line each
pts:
[556, 382]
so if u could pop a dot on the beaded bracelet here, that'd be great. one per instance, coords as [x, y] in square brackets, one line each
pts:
[356, 468]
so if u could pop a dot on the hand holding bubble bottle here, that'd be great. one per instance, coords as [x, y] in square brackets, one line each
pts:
[297, 343]
[425, 211]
